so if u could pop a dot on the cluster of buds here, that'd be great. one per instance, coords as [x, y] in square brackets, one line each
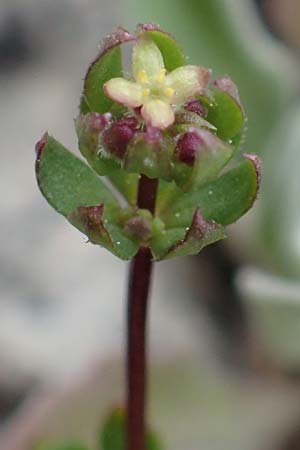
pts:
[168, 125]
[169, 121]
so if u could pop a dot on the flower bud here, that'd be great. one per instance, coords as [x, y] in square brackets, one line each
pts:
[89, 128]
[116, 138]
[138, 227]
[188, 145]
[92, 123]
[196, 107]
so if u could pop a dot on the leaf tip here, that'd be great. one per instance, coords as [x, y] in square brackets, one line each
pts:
[144, 27]
[257, 163]
[225, 83]
[201, 232]
[39, 147]
[119, 36]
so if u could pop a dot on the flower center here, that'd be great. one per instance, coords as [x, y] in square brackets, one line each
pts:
[155, 87]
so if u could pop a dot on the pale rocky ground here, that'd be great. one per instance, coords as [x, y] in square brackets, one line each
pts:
[62, 300]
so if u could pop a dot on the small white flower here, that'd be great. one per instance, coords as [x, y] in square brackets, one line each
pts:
[153, 89]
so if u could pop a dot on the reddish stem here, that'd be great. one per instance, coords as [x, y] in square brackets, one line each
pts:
[138, 293]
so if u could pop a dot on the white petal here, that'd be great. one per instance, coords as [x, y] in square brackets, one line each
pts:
[158, 114]
[147, 61]
[187, 81]
[123, 91]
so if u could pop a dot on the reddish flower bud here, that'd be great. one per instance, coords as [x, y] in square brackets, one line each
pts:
[138, 227]
[92, 124]
[116, 138]
[188, 145]
[196, 107]
[97, 122]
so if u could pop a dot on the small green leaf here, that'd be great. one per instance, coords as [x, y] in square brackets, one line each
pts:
[76, 192]
[223, 200]
[67, 182]
[226, 114]
[107, 65]
[66, 445]
[164, 240]
[112, 435]
[126, 183]
[170, 49]
[103, 226]
[173, 242]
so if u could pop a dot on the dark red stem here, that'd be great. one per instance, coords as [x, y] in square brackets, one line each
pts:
[138, 293]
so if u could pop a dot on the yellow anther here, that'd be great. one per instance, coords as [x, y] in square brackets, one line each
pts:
[169, 92]
[146, 92]
[161, 75]
[142, 77]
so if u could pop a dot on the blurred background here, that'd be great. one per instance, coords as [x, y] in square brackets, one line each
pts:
[225, 325]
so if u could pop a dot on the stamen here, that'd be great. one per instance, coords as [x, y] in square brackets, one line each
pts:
[146, 92]
[161, 75]
[169, 92]
[142, 77]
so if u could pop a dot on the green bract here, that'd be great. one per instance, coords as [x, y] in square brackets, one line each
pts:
[167, 121]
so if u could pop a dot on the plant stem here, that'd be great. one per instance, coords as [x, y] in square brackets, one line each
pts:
[138, 293]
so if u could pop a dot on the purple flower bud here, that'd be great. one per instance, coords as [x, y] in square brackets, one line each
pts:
[138, 227]
[196, 107]
[116, 138]
[97, 122]
[188, 145]
[92, 124]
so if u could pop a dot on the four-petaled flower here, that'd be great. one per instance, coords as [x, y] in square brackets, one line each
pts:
[157, 92]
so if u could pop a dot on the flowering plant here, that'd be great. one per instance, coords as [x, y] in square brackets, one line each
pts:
[162, 137]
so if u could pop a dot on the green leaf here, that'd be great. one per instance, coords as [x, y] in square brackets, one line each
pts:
[107, 65]
[67, 182]
[169, 47]
[226, 114]
[196, 238]
[187, 241]
[112, 435]
[196, 219]
[103, 225]
[126, 183]
[66, 445]
[76, 192]
[223, 200]
[163, 241]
